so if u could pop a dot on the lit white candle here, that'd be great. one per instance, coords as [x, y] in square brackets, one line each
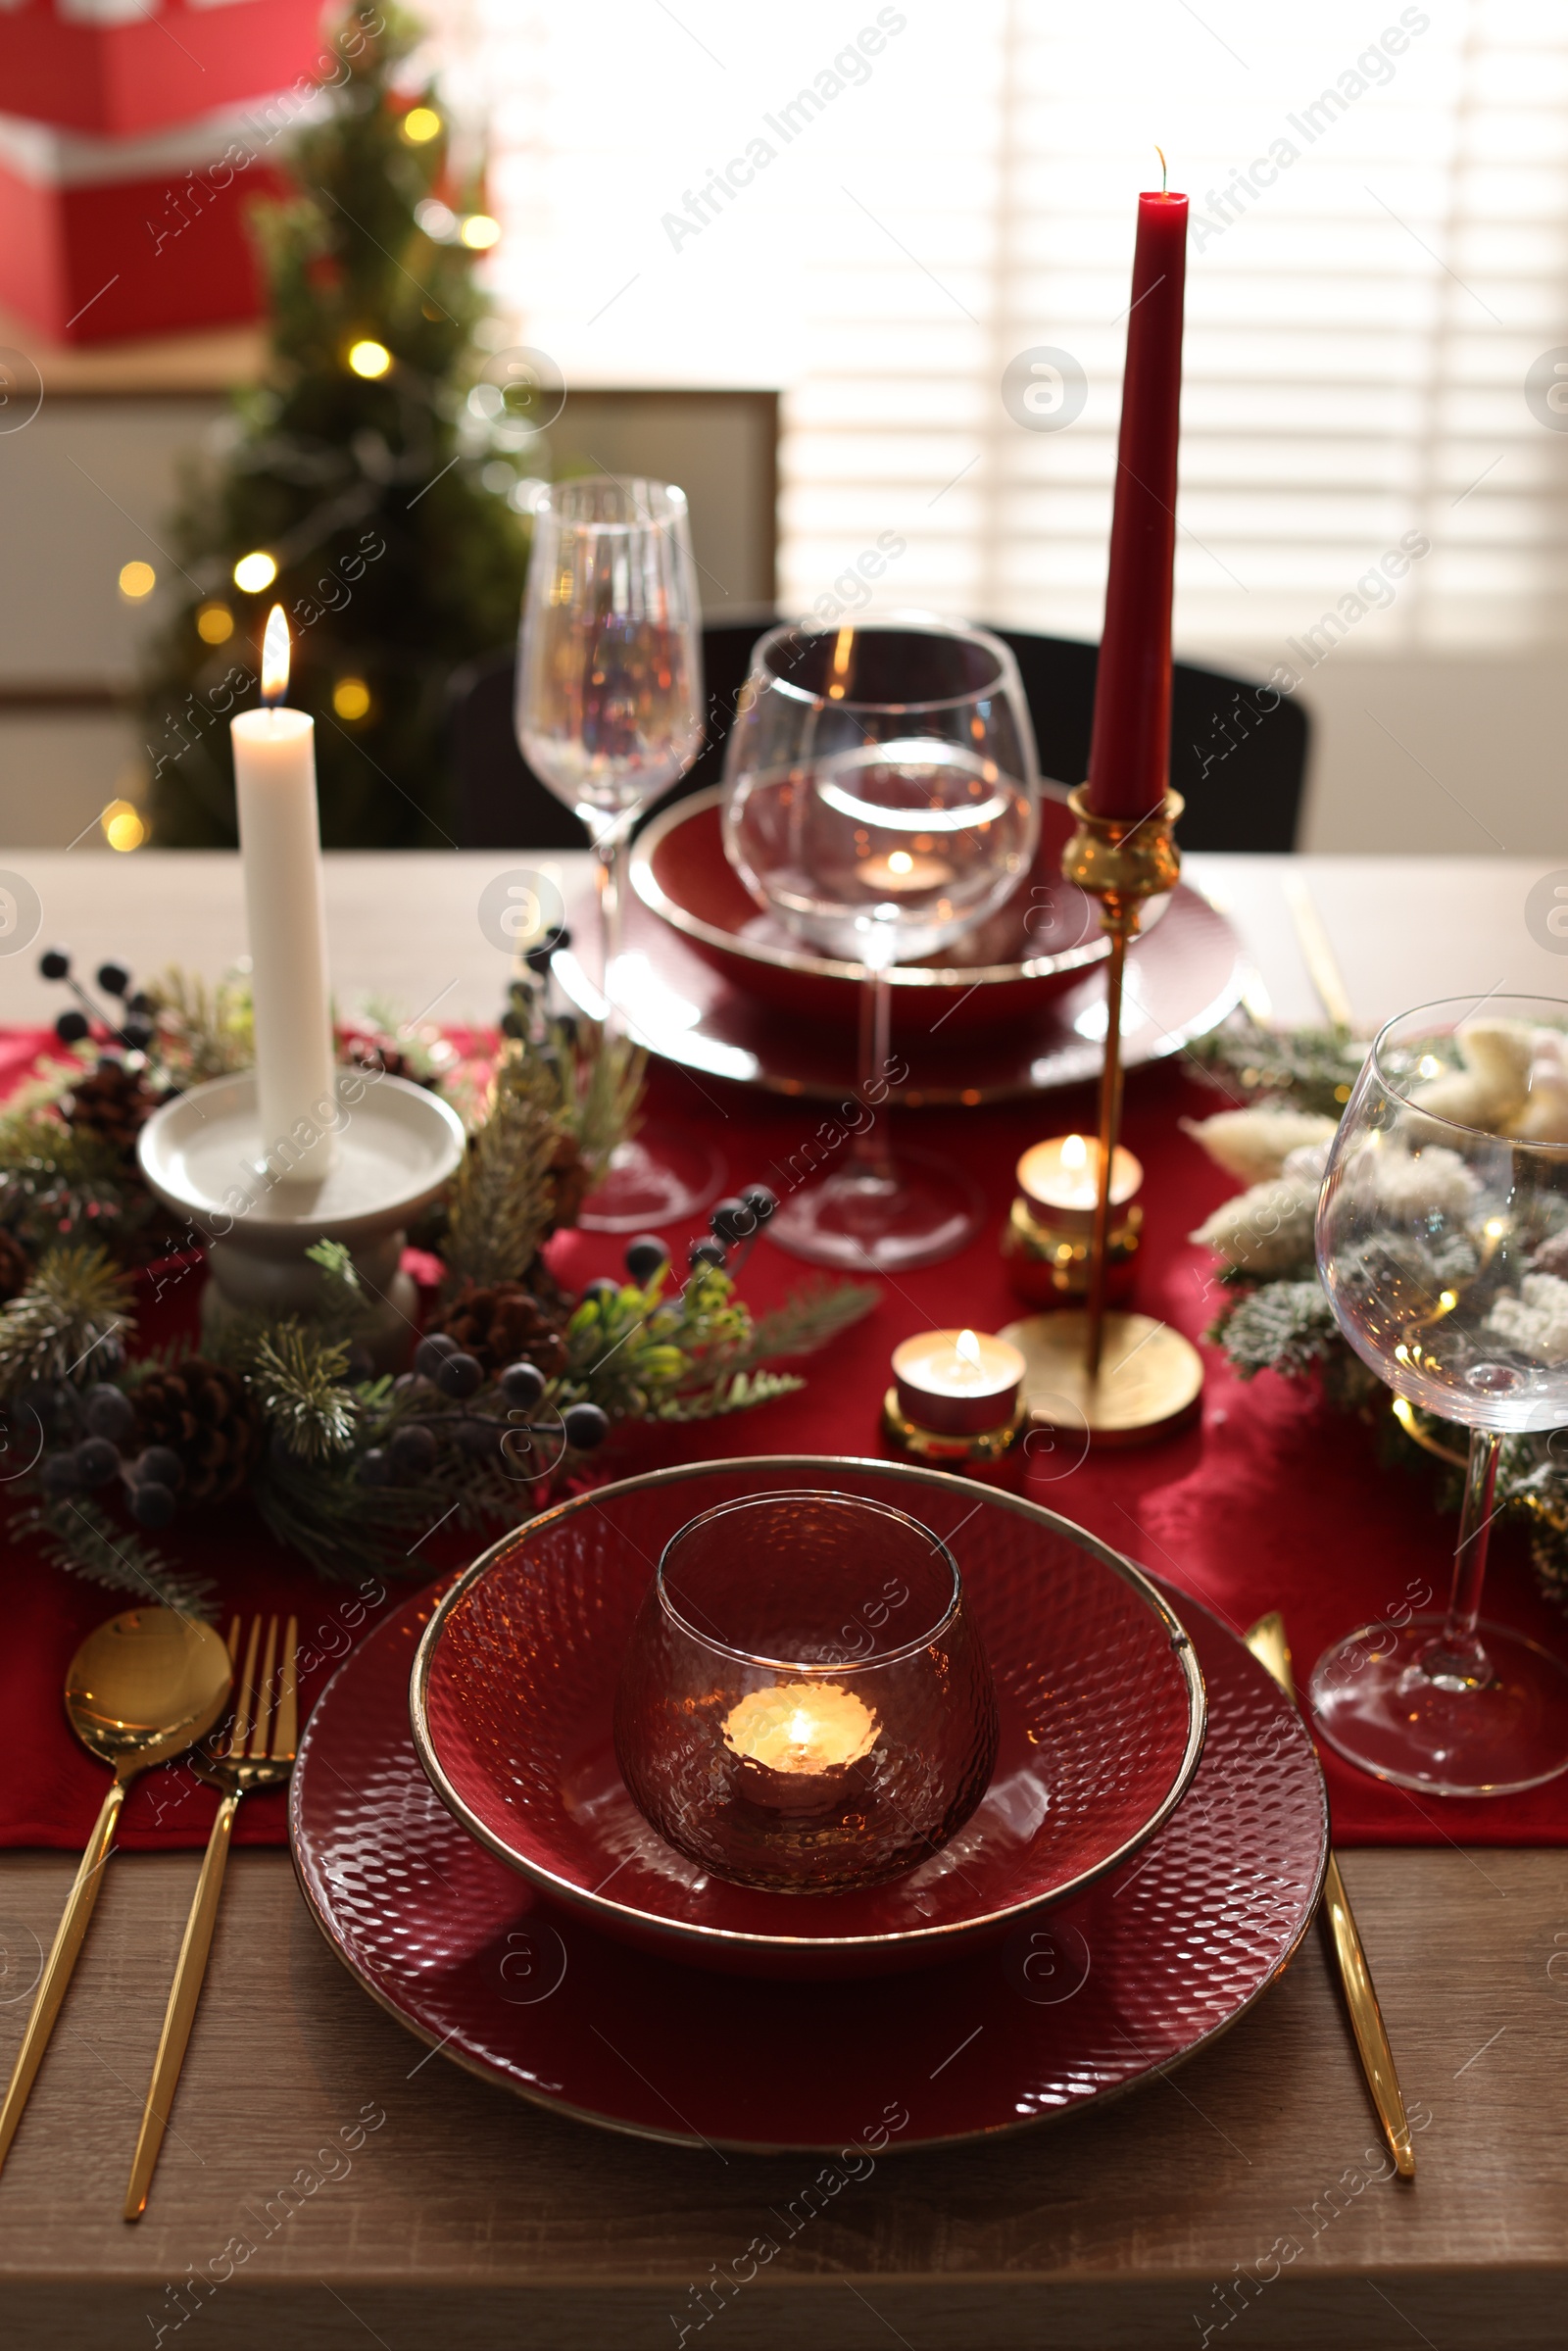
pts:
[1060, 1179]
[796, 1742]
[958, 1383]
[274, 784]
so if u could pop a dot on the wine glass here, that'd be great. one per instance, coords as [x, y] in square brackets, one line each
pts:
[1436, 1236]
[881, 798]
[609, 712]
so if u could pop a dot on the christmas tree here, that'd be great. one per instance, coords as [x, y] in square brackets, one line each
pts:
[368, 483]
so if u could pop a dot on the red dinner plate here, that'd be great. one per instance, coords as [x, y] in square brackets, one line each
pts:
[1099, 1697]
[1087, 2001]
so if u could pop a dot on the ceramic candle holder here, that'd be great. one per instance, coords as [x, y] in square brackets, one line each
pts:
[1048, 1239]
[804, 1704]
[956, 1397]
[396, 1144]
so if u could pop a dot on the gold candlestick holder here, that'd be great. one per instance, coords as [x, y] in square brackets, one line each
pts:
[1123, 1377]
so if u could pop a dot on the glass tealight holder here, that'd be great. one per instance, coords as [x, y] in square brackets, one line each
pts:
[805, 1704]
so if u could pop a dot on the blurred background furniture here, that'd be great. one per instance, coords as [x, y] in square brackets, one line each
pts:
[1237, 750]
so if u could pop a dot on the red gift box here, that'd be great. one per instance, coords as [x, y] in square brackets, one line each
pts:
[100, 238]
[117, 67]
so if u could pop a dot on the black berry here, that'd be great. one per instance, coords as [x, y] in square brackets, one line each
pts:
[603, 1288]
[159, 1465]
[460, 1375]
[374, 1469]
[138, 1034]
[55, 963]
[71, 1027]
[433, 1352]
[96, 1460]
[414, 1450]
[760, 1202]
[523, 1385]
[705, 1253]
[586, 1426]
[645, 1256]
[59, 1476]
[732, 1220]
[151, 1505]
[114, 978]
[108, 1413]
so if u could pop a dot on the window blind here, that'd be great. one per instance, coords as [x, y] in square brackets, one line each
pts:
[890, 211]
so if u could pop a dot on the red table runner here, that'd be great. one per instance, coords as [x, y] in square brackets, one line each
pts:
[1272, 1502]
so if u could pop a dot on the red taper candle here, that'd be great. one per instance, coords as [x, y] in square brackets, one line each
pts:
[1129, 756]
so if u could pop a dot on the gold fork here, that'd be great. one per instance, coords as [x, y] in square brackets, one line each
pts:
[257, 1751]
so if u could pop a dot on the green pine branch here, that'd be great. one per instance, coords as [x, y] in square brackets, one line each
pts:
[78, 1537]
[71, 1321]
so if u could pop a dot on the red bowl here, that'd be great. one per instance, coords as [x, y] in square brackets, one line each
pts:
[1100, 1695]
[1031, 949]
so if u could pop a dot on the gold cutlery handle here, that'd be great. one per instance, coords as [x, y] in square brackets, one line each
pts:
[68, 1937]
[180, 2014]
[1366, 2021]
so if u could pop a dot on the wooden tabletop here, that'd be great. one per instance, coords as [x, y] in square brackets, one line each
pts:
[330, 2181]
[465, 2217]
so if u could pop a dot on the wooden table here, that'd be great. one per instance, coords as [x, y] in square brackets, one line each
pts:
[1233, 2197]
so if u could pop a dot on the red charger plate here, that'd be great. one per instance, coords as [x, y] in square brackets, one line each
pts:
[1099, 1693]
[705, 991]
[1100, 1995]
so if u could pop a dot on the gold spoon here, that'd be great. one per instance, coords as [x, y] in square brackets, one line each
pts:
[138, 1690]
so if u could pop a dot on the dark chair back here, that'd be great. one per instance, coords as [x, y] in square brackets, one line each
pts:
[1237, 754]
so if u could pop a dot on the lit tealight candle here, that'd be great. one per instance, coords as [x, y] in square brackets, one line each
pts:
[1060, 1179]
[280, 852]
[796, 1742]
[903, 872]
[958, 1383]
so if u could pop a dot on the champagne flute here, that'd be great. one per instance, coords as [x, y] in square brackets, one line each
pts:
[1436, 1239]
[881, 800]
[609, 712]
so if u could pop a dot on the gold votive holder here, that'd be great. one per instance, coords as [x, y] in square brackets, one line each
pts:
[956, 1397]
[1049, 1237]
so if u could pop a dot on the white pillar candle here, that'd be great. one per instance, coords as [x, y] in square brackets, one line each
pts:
[279, 835]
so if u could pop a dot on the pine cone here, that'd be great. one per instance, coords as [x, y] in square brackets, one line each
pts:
[15, 1267]
[112, 1102]
[202, 1413]
[506, 1322]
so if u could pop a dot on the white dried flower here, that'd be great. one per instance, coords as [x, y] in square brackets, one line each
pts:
[1490, 1087]
[1254, 1144]
[1535, 1322]
[1421, 1183]
[1268, 1230]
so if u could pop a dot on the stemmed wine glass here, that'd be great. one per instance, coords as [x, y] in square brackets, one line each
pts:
[1438, 1242]
[881, 798]
[609, 712]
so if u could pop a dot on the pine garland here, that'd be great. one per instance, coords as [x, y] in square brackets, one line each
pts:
[1277, 1315]
[353, 1471]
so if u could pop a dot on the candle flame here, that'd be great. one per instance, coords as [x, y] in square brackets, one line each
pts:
[842, 645]
[968, 1345]
[1164, 171]
[275, 657]
[1075, 1151]
[801, 1728]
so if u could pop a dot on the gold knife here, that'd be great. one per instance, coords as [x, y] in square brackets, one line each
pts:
[1269, 1646]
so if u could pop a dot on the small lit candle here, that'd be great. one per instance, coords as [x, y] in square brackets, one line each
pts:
[1060, 1180]
[281, 849]
[958, 1383]
[903, 872]
[795, 1744]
